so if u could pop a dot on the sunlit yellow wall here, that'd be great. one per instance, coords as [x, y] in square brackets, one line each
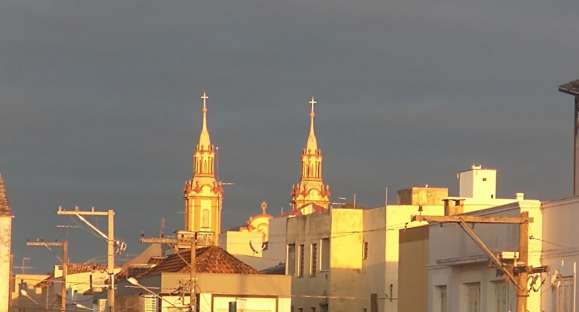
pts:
[347, 226]
[5, 255]
[346, 276]
[260, 224]
[29, 279]
[307, 290]
[535, 246]
[243, 243]
[352, 279]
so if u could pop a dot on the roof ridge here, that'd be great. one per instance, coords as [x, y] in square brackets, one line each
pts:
[5, 209]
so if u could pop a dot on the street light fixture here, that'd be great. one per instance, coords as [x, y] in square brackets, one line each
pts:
[24, 293]
[82, 306]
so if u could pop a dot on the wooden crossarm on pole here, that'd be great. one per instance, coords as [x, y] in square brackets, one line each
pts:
[110, 237]
[64, 263]
[191, 240]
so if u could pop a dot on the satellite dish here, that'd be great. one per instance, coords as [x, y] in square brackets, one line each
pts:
[120, 247]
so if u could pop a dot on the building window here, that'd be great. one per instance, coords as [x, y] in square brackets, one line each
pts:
[301, 258]
[365, 251]
[325, 255]
[206, 213]
[564, 295]
[441, 304]
[501, 297]
[313, 259]
[472, 297]
[313, 309]
[291, 259]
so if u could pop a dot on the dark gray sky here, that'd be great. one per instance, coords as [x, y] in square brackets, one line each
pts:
[99, 102]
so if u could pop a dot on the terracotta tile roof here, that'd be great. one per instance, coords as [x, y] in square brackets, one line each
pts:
[74, 268]
[570, 87]
[5, 209]
[211, 259]
[278, 269]
[142, 262]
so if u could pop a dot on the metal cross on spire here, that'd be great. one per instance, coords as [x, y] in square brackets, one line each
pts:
[204, 98]
[312, 102]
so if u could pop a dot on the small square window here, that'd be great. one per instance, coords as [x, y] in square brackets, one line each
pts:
[484, 179]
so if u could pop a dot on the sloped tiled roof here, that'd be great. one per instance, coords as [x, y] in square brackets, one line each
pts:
[142, 262]
[211, 259]
[74, 268]
[278, 269]
[5, 209]
[570, 87]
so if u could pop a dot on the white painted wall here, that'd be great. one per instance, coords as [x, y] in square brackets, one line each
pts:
[478, 183]
[455, 260]
[560, 248]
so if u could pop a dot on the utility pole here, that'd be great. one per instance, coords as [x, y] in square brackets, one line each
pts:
[518, 273]
[183, 240]
[64, 263]
[111, 243]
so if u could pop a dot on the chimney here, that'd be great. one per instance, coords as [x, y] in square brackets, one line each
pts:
[453, 206]
[572, 88]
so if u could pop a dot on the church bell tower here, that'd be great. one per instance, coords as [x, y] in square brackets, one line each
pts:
[204, 193]
[310, 194]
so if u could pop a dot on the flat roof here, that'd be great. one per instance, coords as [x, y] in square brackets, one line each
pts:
[570, 88]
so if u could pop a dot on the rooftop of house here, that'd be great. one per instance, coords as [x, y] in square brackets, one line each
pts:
[5, 209]
[570, 87]
[210, 259]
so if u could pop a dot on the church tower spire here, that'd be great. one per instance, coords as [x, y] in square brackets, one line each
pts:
[312, 143]
[204, 193]
[310, 194]
[204, 138]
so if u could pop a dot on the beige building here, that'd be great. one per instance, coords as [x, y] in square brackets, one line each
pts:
[251, 238]
[442, 270]
[43, 292]
[346, 259]
[28, 293]
[349, 259]
[221, 280]
[5, 247]
[560, 253]
[460, 277]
